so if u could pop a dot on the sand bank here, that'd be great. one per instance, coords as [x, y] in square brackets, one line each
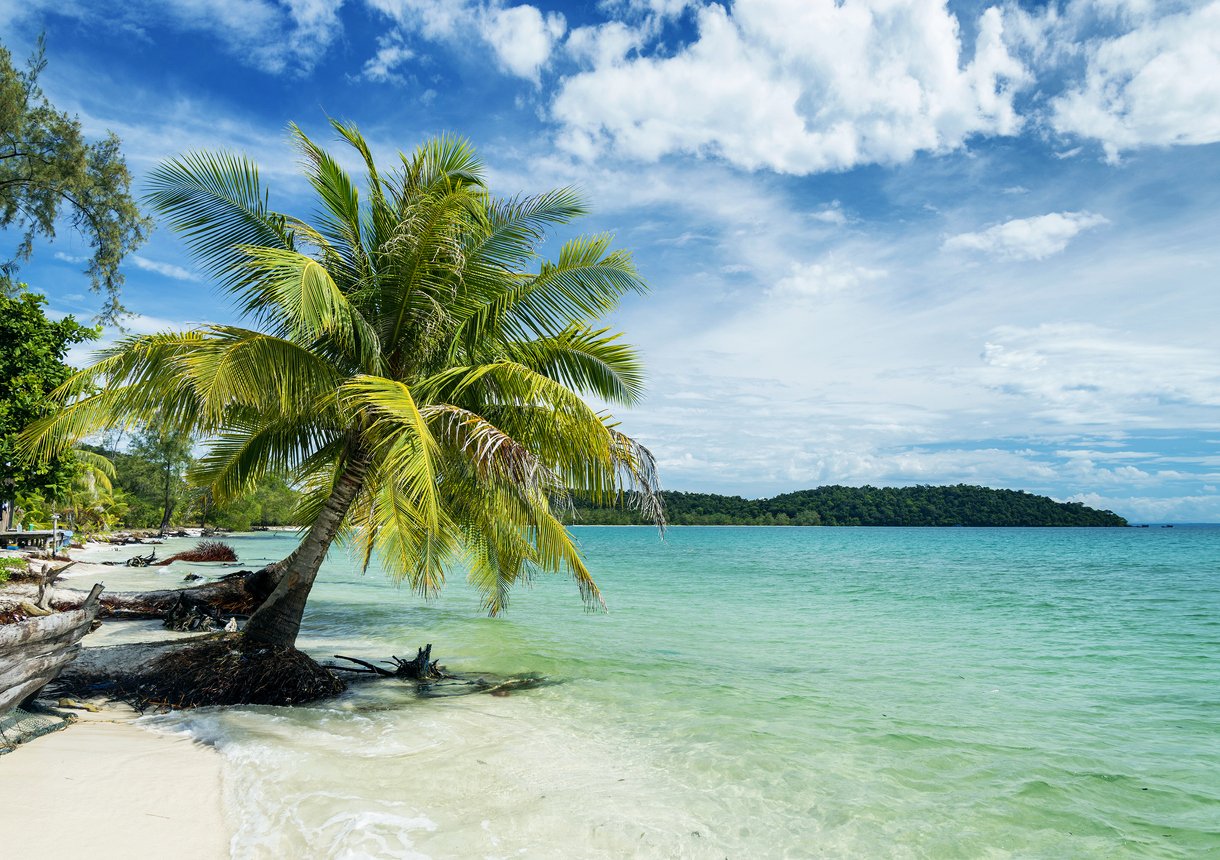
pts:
[106, 788]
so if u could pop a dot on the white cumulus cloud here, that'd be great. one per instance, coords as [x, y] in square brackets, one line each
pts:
[1027, 238]
[603, 45]
[1158, 84]
[391, 53]
[800, 86]
[521, 38]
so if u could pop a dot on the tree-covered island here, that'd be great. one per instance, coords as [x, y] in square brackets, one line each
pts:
[957, 505]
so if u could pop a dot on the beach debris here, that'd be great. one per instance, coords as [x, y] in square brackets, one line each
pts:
[191, 577]
[136, 560]
[492, 685]
[77, 706]
[422, 668]
[434, 681]
[47, 576]
[190, 615]
[205, 550]
[20, 726]
[123, 539]
[34, 651]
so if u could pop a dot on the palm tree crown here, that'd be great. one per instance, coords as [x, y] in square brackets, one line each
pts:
[411, 363]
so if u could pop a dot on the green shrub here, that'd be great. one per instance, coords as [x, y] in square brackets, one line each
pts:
[10, 565]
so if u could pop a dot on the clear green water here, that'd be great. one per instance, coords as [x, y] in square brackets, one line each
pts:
[763, 692]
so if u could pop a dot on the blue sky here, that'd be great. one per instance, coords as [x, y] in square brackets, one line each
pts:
[888, 242]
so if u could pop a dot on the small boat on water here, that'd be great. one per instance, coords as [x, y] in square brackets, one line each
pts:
[34, 651]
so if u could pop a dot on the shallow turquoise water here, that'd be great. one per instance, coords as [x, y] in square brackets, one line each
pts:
[766, 692]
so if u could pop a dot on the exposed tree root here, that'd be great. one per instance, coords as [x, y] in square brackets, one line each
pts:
[220, 669]
[227, 671]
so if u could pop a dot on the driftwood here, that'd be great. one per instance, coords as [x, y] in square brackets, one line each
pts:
[238, 593]
[34, 651]
[134, 561]
[190, 614]
[433, 681]
[422, 668]
[45, 590]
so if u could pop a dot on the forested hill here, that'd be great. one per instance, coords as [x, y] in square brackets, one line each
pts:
[959, 505]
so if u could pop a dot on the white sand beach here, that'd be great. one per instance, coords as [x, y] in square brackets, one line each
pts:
[107, 788]
[106, 785]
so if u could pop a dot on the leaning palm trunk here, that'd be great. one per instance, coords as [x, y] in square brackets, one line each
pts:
[278, 621]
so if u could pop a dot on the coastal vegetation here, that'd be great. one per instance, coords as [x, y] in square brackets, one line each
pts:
[957, 505]
[96, 489]
[411, 366]
[32, 349]
[51, 174]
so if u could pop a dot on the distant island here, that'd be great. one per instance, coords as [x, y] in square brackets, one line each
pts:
[958, 505]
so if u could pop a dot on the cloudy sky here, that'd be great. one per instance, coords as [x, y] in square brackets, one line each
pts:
[888, 241]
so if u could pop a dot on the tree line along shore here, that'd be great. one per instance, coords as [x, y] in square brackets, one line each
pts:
[924, 505]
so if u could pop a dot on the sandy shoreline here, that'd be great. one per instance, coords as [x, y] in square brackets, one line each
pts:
[105, 786]
[108, 788]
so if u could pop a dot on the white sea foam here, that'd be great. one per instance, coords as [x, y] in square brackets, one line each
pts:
[478, 777]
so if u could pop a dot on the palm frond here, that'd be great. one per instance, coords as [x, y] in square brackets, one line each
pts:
[590, 361]
[236, 459]
[215, 200]
[642, 481]
[340, 217]
[299, 294]
[491, 452]
[400, 438]
[100, 466]
[140, 380]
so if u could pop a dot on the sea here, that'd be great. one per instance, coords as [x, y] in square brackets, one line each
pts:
[756, 693]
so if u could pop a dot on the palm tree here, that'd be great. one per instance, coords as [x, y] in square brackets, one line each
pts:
[90, 502]
[411, 363]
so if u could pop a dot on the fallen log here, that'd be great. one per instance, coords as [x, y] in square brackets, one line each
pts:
[36, 650]
[433, 681]
[238, 593]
